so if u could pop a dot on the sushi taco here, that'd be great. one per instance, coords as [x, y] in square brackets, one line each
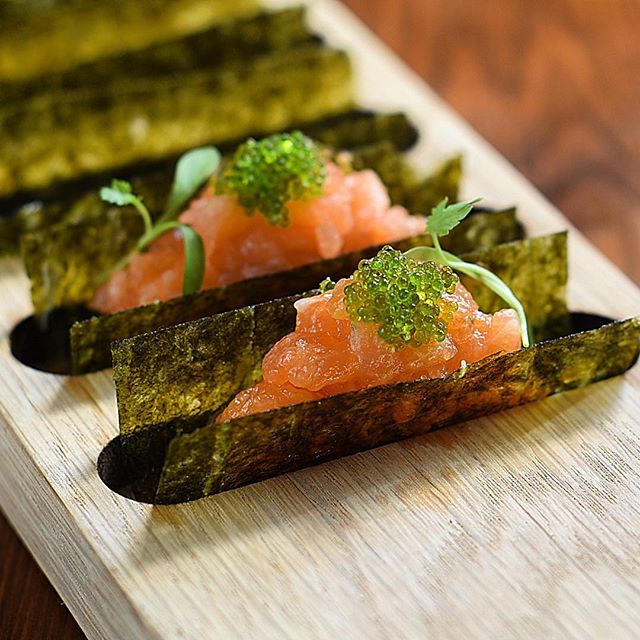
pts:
[409, 342]
[280, 203]
[378, 137]
[261, 224]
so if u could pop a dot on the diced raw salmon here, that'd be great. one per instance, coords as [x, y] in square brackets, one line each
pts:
[328, 354]
[353, 213]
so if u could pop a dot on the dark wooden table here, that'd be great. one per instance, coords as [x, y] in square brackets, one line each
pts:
[553, 84]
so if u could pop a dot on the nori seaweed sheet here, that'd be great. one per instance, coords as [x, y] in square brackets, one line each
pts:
[196, 458]
[91, 339]
[417, 194]
[63, 266]
[61, 262]
[38, 216]
[61, 34]
[57, 137]
[199, 366]
[214, 47]
[76, 201]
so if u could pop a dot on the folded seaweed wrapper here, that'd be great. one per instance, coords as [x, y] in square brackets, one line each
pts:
[213, 47]
[38, 38]
[199, 366]
[172, 384]
[183, 463]
[59, 137]
[77, 202]
[66, 265]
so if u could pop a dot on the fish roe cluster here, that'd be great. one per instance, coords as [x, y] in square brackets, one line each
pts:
[403, 297]
[265, 175]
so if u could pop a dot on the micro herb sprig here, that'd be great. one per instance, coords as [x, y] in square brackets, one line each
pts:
[121, 194]
[265, 175]
[193, 169]
[444, 218]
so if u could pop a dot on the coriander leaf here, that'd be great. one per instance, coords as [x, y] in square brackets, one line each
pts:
[119, 193]
[193, 169]
[445, 217]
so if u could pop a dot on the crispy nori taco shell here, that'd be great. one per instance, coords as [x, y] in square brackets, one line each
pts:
[66, 263]
[57, 137]
[62, 34]
[189, 456]
[75, 202]
[200, 366]
[212, 47]
[91, 339]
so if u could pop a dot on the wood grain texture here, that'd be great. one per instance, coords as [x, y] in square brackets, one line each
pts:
[29, 607]
[551, 84]
[538, 507]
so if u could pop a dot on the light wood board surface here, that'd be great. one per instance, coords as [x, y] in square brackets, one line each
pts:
[519, 525]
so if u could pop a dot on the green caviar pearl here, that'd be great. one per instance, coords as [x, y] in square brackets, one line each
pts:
[403, 297]
[327, 285]
[266, 175]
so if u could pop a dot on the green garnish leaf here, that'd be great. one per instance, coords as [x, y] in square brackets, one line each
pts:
[193, 169]
[446, 217]
[402, 297]
[119, 193]
[194, 260]
[443, 219]
[266, 175]
[158, 230]
[194, 253]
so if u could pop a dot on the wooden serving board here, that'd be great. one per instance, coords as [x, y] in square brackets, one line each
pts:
[523, 524]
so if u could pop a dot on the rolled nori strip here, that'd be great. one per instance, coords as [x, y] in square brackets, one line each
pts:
[361, 128]
[76, 202]
[193, 458]
[54, 138]
[91, 339]
[200, 366]
[215, 47]
[37, 38]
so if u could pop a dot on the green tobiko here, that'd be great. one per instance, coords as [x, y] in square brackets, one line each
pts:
[267, 174]
[403, 297]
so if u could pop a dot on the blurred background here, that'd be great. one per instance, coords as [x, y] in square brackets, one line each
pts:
[552, 84]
